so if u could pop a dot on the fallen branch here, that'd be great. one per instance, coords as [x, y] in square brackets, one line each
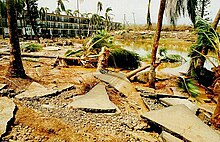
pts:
[132, 73]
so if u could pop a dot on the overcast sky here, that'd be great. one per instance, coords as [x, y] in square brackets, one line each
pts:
[128, 7]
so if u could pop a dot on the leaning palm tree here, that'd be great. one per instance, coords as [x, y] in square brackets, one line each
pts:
[152, 74]
[216, 20]
[174, 9]
[16, 67]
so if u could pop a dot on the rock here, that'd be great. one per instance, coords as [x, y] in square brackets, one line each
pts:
[7, 108]
[117, 81]
[3, 86]
[36, 90]
[177, 101]
[167, 137]
[182, 122]
[96, 100]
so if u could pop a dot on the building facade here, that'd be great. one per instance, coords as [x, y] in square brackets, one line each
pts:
[54, 25]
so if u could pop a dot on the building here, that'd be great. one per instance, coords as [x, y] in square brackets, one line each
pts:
[62, 26]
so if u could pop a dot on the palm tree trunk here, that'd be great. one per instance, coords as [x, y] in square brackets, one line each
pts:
[32, 21]
[16, 67]
[216, 20]
[152, 74]
[203, 8]
[148, 15]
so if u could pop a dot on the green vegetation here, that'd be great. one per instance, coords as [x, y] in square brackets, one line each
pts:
[31, 47]
[170, 57]
[208, 40]
[189, 86]
[118, 57]
[122, 58]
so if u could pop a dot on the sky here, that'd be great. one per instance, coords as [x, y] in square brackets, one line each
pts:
[132, 9]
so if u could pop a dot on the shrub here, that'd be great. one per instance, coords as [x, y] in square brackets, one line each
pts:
[122, 58]
[31, 47]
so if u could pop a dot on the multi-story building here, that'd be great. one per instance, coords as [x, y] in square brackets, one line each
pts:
[62, 26]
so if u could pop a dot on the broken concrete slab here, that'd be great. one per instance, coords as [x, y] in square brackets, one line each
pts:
[3, 86]
[96, 100]
[36, 90]
[167, 137]
[180, 121]
[177, 101]
[7, 108]
[119, 83]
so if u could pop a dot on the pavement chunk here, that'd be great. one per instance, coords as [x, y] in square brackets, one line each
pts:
[7, 108]
[177, 101]
[167, 137]
[118, 81]
[182, 122]
[36, 90]
[96, 100]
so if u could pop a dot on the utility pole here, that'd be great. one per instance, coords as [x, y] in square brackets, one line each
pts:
[134, 18]
[124, 20]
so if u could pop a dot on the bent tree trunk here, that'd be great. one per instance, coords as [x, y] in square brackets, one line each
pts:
[216, 20]
[32, 20]
[16, 67]
[152, 74]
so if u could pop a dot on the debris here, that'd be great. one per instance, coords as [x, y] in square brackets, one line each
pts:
[181, 121]
[177, 101]
[117, 81]
[3, 86]
[132, 73]
[7, 108]
[96, 100]
[36, 90]
[159, 95]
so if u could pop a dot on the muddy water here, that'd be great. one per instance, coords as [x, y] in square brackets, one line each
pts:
[173, 46]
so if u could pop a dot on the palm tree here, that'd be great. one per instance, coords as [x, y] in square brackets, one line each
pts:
[107, 18]
[174, 9]
[99, 7]
[3, 12]
[43, 16]
[152, 74]
[148, 14]
[69, 12]
[16, 67]
[31, 8]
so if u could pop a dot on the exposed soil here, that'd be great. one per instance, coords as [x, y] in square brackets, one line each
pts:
[48, 118]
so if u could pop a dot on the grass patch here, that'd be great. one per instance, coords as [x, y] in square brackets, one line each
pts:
[31, 47]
